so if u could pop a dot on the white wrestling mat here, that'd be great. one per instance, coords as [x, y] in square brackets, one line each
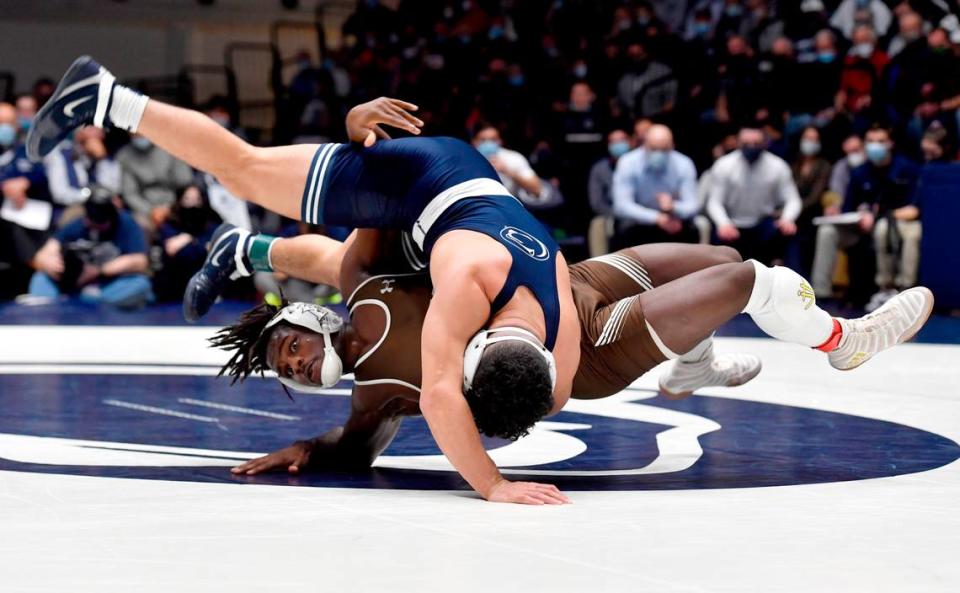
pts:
[115, 445]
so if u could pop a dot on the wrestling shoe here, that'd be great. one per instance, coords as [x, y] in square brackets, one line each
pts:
[226, 261]
[722, 370]
[82, 98]
[898, 320]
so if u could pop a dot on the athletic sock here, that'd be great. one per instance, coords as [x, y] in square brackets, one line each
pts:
[834, 340]
[700, 354]
[126, 108]
[256, 251]
[783, 305]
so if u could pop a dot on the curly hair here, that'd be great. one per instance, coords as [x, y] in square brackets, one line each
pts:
[511, 390]
[247, 341]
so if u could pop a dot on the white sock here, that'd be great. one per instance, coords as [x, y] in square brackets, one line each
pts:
[782, 304]
[126, 108]
[702, 352]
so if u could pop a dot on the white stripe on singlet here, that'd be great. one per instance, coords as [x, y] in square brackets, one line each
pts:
[613, 328]
[629, 267]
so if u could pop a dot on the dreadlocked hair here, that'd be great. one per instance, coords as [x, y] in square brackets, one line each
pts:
[247, 341]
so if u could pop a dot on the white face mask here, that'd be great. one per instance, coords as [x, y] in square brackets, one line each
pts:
[855, 159]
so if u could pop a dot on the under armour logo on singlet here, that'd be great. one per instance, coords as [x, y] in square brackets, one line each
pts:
[386, 285]
[526, 242]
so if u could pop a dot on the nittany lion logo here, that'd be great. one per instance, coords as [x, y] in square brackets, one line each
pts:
[526, 242]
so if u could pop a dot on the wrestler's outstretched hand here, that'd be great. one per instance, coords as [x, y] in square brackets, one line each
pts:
[526, 493]
[292, 458]
[364, 120]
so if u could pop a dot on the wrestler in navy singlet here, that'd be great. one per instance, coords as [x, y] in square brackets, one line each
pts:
[430, 186]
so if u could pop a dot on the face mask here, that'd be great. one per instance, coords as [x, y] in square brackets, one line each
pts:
[222, 120]
[141, 143]
[826, 57]
[488, 148]
[643, 21]
[580, 70]
[657, 160]
[496, 32]
[809, 147]
[863, 50]
[8, 134]
[751, 153]
[24, 123]
[701, 29]
[618, 149]
[855, 159]
[516, 80]
[733, 10]
[877, 152]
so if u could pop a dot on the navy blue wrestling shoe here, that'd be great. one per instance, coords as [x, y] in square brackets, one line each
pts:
[82, 98]
[226, 261]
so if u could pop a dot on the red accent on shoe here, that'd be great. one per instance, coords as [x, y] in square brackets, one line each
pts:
[834, 340]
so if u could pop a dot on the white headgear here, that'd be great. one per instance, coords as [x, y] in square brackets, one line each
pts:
[319, 320]
[474, 352]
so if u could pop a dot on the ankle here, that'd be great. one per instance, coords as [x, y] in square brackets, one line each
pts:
[834, 340]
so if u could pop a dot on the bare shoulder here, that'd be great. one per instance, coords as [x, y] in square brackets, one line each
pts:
[463, 254]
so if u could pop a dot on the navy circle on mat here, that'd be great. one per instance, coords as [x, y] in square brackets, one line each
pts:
[744, 443]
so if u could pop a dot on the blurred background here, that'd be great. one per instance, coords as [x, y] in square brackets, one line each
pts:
[817, 134]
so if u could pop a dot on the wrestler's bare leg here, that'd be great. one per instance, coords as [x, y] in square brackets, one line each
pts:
[270, 177]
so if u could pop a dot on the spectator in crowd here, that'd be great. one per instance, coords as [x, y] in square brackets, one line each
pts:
[600, 193]
[811, 173]
[853, 157]
[753, 201]
[25, 213]
[640, 128]
[909, 29]
[182, 239]
[582, 124]
[936, 145]
[74, 167]
[853, 13]
[648, 88]
[655, 192]
[515, 171]
[939, 95]
[150, 180]
[102, 256]
[862, 70]
[26, 106]
[884, 188]
[817, 83]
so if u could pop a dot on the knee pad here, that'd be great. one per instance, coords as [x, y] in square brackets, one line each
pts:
[783, 305]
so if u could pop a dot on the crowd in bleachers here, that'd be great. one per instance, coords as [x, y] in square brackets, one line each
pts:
[738, 122]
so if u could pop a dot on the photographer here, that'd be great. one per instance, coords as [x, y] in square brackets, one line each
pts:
[102, 256]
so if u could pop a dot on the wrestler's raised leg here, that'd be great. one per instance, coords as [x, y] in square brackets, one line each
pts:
[683, 313]
[273, 178]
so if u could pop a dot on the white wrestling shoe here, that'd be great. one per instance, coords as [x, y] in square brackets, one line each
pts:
[898, 320]
[723, 370]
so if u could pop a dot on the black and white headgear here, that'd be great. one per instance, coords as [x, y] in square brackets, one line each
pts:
[319, 320]
[474, 352]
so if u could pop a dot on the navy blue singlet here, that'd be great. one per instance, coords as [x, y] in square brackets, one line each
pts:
[389, 184]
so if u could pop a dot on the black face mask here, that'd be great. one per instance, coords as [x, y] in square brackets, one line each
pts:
[752, 153]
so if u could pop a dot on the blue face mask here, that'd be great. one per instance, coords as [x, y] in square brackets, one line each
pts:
[141, 143]
[8, 135]
[826, 57]
[24, 123]
[488, 148]
[657, 159]
[516, 80]
[877, 152]
[733, 10]
[496, 32]
[701, 29]
[618, 149]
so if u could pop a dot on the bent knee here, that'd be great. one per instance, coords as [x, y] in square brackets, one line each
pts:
[727, 255]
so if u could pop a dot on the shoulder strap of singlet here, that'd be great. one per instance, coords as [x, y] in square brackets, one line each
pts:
[544, 290]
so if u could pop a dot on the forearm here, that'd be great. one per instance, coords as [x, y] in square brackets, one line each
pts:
[453, 428]
[313, 258]
[131, 263]
[717, 212]
[688, 203]
[531, 185]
